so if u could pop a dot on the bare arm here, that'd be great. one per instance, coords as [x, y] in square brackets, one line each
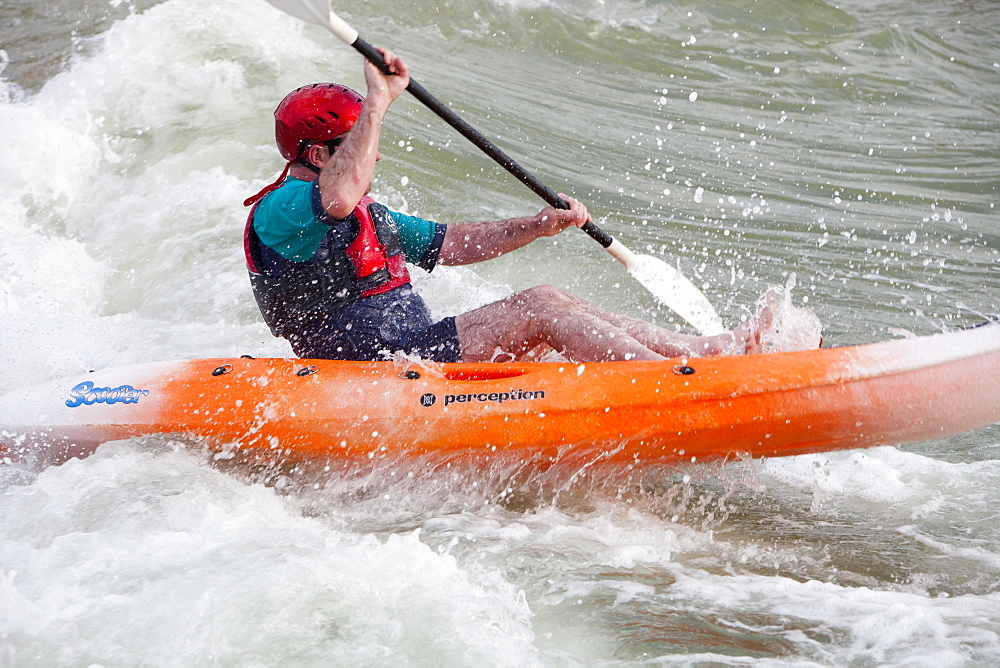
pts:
[465, 243]
[346, 176]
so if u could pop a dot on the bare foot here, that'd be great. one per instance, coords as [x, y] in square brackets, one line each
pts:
[777, 326]
[747, 338]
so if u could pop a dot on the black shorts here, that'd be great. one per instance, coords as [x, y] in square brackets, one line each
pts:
[374, 328]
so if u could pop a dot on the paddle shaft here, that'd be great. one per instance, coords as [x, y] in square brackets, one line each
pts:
[484, 144]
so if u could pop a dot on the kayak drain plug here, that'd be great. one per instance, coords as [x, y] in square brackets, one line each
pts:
[307, 370]
[683, 370]
[409, 374]
[220, 370]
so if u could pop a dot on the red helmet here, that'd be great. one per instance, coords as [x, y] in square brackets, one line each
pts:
[315, 113]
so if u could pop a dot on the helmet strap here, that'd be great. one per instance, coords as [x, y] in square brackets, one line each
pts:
[304, 161]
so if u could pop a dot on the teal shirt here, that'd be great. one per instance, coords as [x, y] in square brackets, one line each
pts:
[286, 222]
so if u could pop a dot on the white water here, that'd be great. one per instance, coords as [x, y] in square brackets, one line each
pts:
[123, 169]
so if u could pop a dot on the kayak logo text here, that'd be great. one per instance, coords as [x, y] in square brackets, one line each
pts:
[86, 393]
[430, 399]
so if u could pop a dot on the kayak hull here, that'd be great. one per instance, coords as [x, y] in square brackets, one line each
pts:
[628, 413]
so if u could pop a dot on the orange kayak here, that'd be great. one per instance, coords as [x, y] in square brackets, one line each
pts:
[291, 410]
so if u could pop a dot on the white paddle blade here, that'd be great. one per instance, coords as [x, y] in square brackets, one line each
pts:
[674, 289]
[310, 11]
[320, 13]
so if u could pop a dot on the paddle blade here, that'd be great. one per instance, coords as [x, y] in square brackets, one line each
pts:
[674, 289]
[320, 13]
[311, 11]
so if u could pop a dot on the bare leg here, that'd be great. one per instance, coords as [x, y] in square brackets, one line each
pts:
[744, 339]
[545, 317]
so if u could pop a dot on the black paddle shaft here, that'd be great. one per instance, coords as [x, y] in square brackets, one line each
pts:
[484, 144]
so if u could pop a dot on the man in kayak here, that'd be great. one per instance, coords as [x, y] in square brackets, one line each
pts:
[328, 264]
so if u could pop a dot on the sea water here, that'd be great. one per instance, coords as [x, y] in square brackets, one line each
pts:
[854, 144]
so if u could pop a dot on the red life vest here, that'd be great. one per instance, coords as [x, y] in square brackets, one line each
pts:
[359, 257]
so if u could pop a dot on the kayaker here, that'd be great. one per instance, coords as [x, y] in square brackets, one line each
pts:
[328, 263]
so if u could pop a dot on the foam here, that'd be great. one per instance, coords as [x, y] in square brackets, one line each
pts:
[908, 483]
[140, 522]
[866, 625]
